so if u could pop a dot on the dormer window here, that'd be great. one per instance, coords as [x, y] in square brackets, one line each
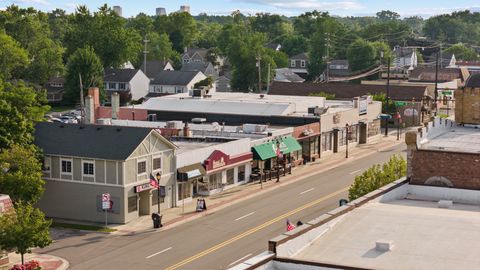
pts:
[292, 63]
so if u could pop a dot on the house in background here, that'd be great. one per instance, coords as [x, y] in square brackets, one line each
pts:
[298, 64]
[156, 66]
[83, 162]
[125, 82]
[223, 82]
[195, 55]
[55, 88]
[174, 82]
[405, 58]
[445, 60]
[206, 68]
[338, 68]
[274, 46]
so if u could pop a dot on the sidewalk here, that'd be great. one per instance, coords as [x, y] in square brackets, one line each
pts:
[182, 214]
[47, 262]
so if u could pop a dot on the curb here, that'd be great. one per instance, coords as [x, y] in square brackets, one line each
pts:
[269, 186]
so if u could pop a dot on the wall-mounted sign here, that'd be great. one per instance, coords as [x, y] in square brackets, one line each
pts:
[362, 105]
[336, 118]
[143, 187]
[216, 160]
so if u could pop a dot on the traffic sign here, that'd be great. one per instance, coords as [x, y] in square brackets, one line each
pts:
[105, 197]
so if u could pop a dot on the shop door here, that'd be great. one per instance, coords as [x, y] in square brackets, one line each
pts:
[145, 203]
[363, 133]
[335, 141]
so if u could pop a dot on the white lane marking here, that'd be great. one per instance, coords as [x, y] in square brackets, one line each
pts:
[308, 190]
[160, 252]
[242, 217]
[357, 171]
[242, 258]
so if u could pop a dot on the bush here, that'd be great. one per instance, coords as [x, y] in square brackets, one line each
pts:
[31, 265]
[378, 176]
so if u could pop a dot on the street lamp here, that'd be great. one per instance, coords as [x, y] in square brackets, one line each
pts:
[348, 134]
[158, 176]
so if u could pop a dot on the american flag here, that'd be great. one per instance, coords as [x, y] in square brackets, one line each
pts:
[290, 226]
[153, 181]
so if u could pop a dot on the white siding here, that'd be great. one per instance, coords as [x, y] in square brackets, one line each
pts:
[139, 85]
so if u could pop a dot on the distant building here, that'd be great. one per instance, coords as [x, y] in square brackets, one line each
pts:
[287, 75]
[192, 55]
[184, 8]
[298, 64]
[160, 11]
[118, 10]
[5, 205]
[55, 88]
[174, 82]
[338, 68]
[467, 102]
[154, 67]
[205, 68]
[126, 81]
[405, 58]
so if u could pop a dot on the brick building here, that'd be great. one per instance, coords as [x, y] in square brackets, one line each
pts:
[467, 102]
[444, 154]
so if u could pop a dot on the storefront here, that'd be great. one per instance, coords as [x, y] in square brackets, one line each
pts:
[274, 155]
[224, 171]
[187, 180]
[309, 137]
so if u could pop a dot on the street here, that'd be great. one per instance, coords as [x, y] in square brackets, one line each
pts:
[221, 239]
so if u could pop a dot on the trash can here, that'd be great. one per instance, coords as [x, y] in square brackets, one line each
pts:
[157, 220]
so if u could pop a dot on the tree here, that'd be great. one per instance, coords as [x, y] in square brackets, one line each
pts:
[205, 82]
[361, 55]
[20, 108]
[21, 174]
[463, 52]
[280, 58]
[23, 229]
[273, 25]
[327, 96]
[377, 176]
[13, 58]
[86, 63]
[387, 15]
[47, 61]
[180, 27]
[294, 44]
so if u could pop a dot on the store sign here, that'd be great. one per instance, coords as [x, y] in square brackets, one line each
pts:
[217, 160]
[143, 187]
[194, 173]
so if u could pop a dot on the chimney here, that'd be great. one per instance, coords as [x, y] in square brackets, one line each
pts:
[89, 110]
[115, 105]
[95, 93]
[186, 130]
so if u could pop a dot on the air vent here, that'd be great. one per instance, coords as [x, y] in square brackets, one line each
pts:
[384, 245]
[445, 204]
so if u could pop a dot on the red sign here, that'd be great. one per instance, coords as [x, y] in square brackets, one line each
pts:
[218, 159]
[5, 204]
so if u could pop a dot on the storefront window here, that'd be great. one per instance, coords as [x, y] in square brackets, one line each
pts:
[155, 196]
[230, 177]
[241, 173]
[215, 181]
[184, 191]
[327, 141]
[373, 128]
[341, 137]
[132, 204]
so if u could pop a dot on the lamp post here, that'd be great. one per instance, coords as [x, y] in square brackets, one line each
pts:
[158, 176]
[347, 133]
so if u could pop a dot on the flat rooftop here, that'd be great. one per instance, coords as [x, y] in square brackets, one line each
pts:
[455, 139]
[423, 235]
[235, 103]
[186, 146]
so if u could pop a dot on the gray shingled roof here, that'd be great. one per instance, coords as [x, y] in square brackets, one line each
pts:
[300, 56]
[91, 141]
[194, 66]
[174, 77]
[153, 68]
[119, 75]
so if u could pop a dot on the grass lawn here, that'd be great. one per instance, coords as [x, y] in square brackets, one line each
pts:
[82, 227]
[61, 108]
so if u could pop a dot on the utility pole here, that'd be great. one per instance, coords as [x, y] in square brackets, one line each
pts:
[268, 78]
[145, 41]
[388, 94]
[259, 73]
[436, 85]
[82, 103]
[327, 45]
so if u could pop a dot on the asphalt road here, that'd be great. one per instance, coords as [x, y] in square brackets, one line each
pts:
[221, 239]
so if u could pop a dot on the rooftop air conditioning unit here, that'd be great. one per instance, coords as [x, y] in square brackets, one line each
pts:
[314, 110]
[260, 128]
[198, 93]
[152, 117]
[199, 120]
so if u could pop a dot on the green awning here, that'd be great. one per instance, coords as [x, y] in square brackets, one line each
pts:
[291, 145]
[267, 150]
[264, 151]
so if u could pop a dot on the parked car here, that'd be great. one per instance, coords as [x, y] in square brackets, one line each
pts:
[68, 119]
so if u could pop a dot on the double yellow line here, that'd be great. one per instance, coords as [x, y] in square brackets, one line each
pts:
[255, 229]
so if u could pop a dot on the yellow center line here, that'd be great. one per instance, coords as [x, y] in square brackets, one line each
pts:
[255, 229]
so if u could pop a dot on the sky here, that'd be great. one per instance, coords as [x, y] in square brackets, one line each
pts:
[405, 8]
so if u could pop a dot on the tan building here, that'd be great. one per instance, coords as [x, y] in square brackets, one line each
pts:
[83, 162]
[467, 102]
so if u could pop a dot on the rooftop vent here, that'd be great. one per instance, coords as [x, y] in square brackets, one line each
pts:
[199, 120]
[384, 245]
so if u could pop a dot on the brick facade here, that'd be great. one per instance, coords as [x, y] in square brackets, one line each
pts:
[454, 169]
[467, 106]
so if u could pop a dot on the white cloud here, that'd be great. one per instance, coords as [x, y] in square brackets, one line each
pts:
[433, 11]
[309, 4]
[70, 7]
[33, 2]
